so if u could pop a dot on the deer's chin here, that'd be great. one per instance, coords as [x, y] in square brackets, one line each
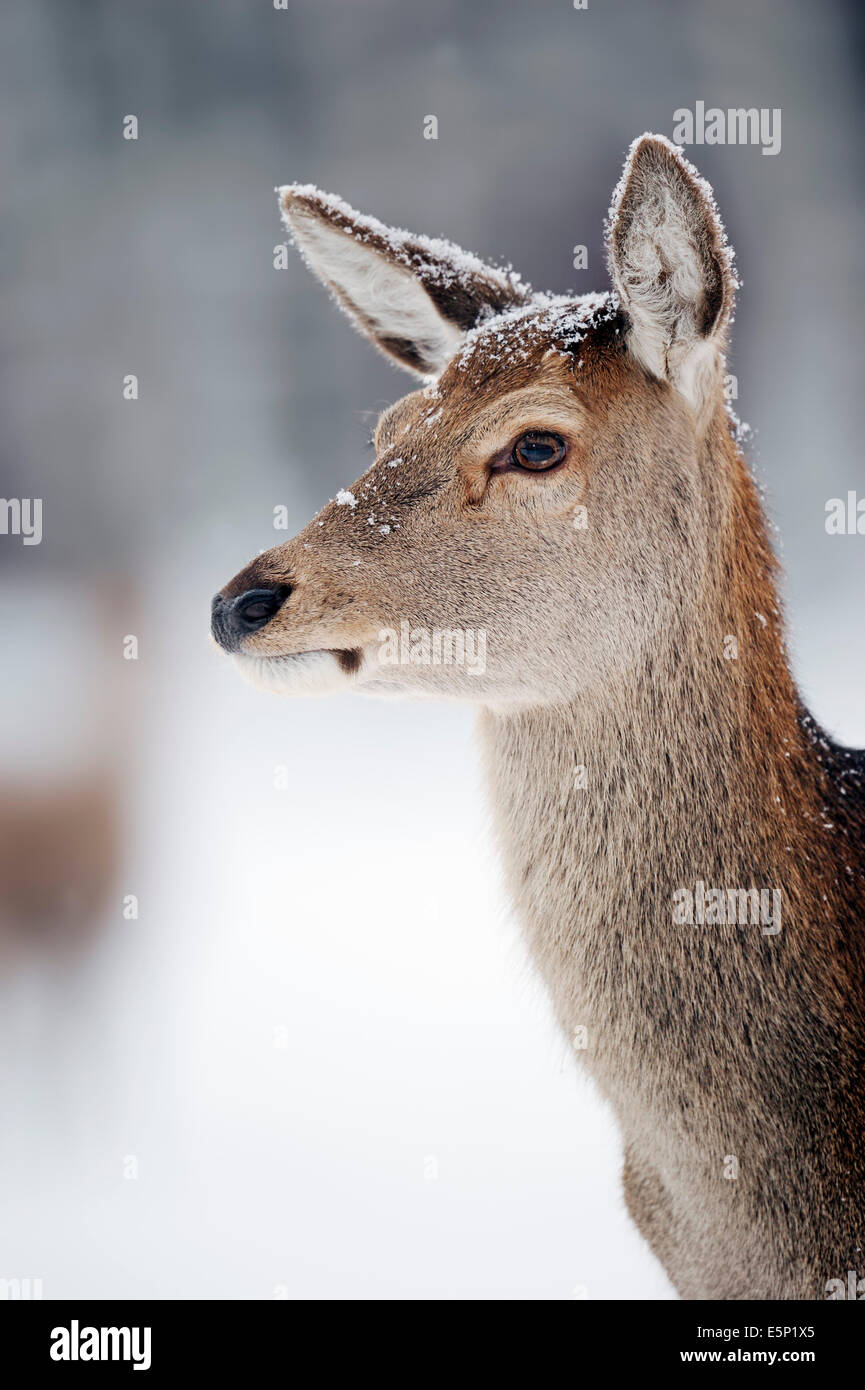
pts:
[300, 673]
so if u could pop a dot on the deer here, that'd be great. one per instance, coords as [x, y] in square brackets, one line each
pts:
[568, 479]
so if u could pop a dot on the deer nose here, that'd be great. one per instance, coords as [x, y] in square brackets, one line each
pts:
[233, 619]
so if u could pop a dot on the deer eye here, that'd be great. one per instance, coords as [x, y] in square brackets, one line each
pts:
[537, 451]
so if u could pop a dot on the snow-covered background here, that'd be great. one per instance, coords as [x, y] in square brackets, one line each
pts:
[317, 1064]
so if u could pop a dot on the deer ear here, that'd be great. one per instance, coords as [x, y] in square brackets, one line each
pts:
[671, 265]
[413, 296]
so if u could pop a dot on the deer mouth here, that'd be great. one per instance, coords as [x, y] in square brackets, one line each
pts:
[302, 673]
[349, 658]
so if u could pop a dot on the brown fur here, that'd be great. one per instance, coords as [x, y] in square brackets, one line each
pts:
[608, 650]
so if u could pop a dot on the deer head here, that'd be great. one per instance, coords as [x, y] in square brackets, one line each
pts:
[544, 502]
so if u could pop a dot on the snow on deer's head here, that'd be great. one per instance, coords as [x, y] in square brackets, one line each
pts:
[542, 504]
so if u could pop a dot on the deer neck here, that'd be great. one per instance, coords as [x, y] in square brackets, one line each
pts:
[694, 770]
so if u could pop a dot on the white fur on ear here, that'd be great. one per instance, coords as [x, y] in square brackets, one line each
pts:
[671, 265]
[415, 297]
[387, 301]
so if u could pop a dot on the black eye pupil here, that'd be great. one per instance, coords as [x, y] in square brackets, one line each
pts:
[536, 450]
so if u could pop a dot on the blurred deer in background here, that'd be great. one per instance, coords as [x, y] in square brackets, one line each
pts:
[64, 761]
[568, 484]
